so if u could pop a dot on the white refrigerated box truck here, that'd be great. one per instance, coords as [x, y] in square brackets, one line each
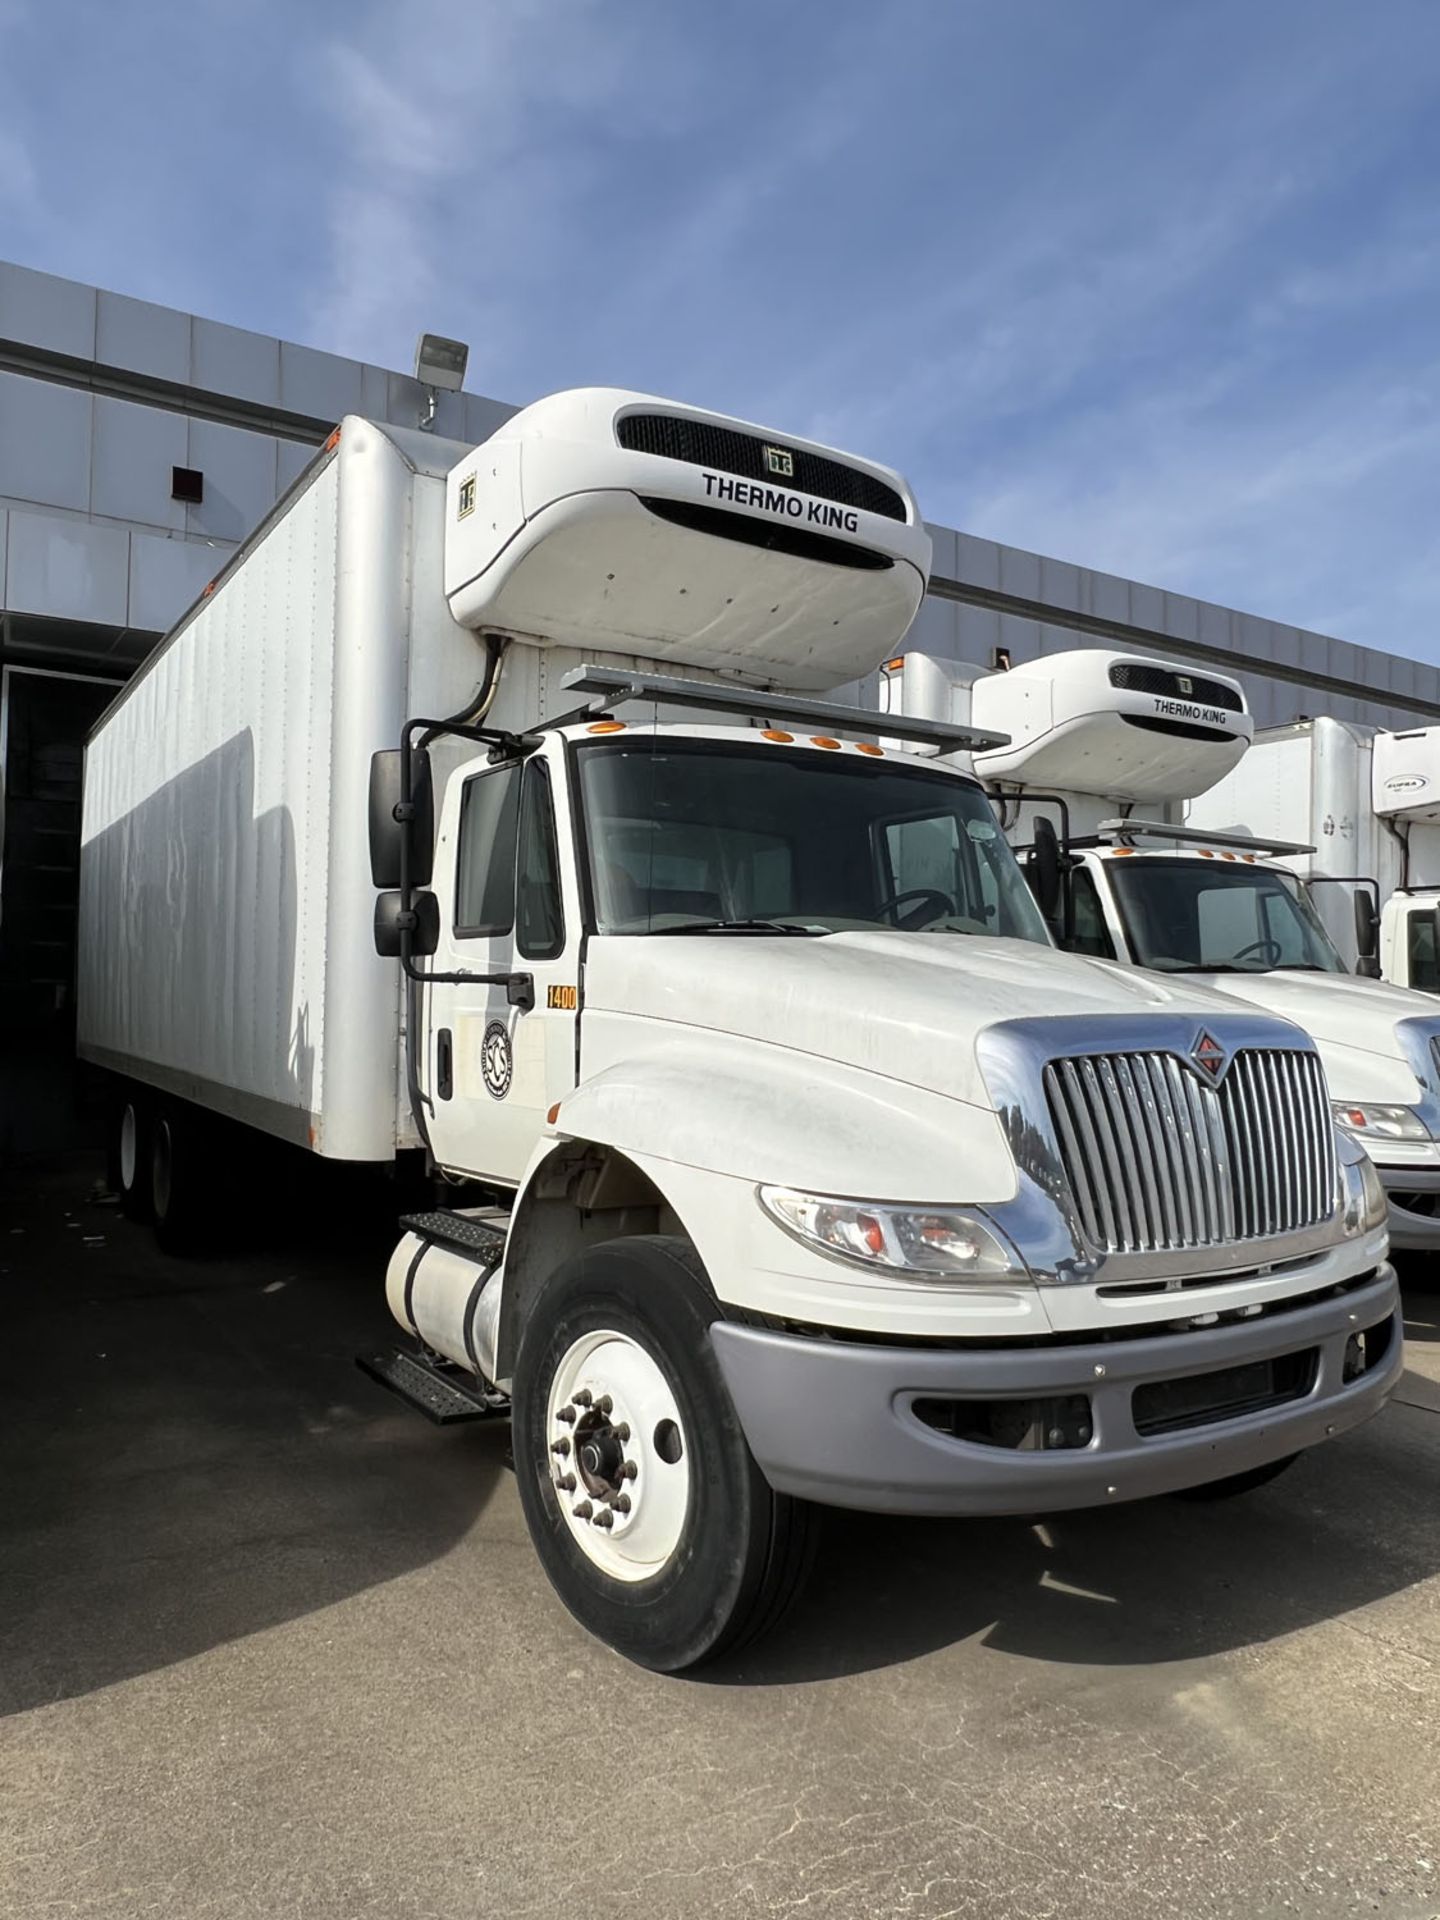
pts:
[1365, 803]
[1134, 762]
[488, 808]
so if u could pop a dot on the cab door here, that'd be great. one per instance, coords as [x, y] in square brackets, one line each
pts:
[1409, 946]
[495, 1063]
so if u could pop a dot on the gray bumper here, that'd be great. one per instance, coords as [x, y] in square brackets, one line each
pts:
[1412, 1230]
[834, 1421]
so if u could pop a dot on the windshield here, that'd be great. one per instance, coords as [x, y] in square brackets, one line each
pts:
[1189, 916]
[702, 834]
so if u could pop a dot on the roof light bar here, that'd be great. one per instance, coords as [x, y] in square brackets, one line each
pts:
[618, 685]
[1117, 830]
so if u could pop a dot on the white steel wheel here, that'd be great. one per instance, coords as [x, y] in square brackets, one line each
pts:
[621, 1454]
[650, 1516]
[129, 1147]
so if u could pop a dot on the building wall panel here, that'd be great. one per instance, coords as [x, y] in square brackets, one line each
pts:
[142, 338]
[239, 470]
[135, 450]
[234, 361]
[44, 311]
[44, 443]
[68, 569]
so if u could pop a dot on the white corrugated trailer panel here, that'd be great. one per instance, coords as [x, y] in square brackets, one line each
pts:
[226, 902]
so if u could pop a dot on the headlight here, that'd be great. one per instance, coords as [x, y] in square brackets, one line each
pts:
[1366, 1206]
[940, 1243]
[1369, 1122]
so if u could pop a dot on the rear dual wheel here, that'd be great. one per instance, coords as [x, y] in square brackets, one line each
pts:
[652, 1520]
[176, 1178]
[129, 1156]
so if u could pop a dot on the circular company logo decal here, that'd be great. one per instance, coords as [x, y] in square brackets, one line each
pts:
[1406, 783]
[495, 1060]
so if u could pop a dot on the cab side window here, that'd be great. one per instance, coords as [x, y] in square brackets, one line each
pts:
[485, 868]
[539, 912]
[1420, 941]
[1089, 933]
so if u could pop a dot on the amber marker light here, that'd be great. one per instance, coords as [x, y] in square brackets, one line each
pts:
[553, 1115]
[777, 733]
[333, 442]
[823, 740]
[894, 666]
[864, 746]
[1122, 853]
[607, 726]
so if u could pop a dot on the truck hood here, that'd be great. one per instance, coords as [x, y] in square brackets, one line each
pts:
[908, 1006]
[1353, 1022]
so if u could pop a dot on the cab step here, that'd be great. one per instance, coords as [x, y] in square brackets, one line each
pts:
[442, 1393]
[481, 1240]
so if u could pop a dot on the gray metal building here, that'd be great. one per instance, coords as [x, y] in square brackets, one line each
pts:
[139, 445]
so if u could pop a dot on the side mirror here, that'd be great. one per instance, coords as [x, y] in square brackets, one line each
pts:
[1045, 868]
[1367, 928]
[423, 922]
[386, 830]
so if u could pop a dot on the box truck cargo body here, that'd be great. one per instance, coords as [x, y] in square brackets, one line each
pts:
[225, 875]
[1366, 803]
[493, 805]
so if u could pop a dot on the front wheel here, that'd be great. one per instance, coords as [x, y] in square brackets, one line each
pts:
[650, 1516]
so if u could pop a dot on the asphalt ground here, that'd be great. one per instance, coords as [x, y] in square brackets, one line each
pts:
[271, 1645]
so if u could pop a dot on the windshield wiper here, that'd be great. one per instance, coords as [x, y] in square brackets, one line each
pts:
[742, 926]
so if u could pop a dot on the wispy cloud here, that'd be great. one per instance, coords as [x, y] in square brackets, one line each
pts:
[19, 181]
[1149, 287]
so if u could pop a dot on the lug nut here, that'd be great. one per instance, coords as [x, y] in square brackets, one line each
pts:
[566, 1483]
[582, 1398]
[604, 1404]
[605, 1518]
[622, 1433]
[560, 1446]
[567, 1414]
[628, 1470]
[583, 1511]
[622, 1503]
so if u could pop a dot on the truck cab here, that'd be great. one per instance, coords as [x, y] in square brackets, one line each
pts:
[784, 1118]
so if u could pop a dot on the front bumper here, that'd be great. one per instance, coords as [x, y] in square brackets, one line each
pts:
[835, 1421]
[1414, 1195]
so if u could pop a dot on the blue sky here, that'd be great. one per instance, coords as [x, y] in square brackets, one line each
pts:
[1148, 284]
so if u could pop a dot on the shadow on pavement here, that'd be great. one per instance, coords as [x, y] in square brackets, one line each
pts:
[188, 1453]
[189, 1456]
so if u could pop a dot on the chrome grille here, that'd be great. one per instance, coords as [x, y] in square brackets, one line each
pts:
[1158, 1159]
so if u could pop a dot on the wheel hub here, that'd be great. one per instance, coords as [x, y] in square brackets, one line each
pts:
[600, 1455]
[616, 1455]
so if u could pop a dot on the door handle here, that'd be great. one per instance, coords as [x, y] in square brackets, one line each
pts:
[444, 1064]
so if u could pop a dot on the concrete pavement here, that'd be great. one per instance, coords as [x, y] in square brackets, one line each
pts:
[273, 1646]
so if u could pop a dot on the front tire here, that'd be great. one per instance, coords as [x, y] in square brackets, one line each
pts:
[651, 1519]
